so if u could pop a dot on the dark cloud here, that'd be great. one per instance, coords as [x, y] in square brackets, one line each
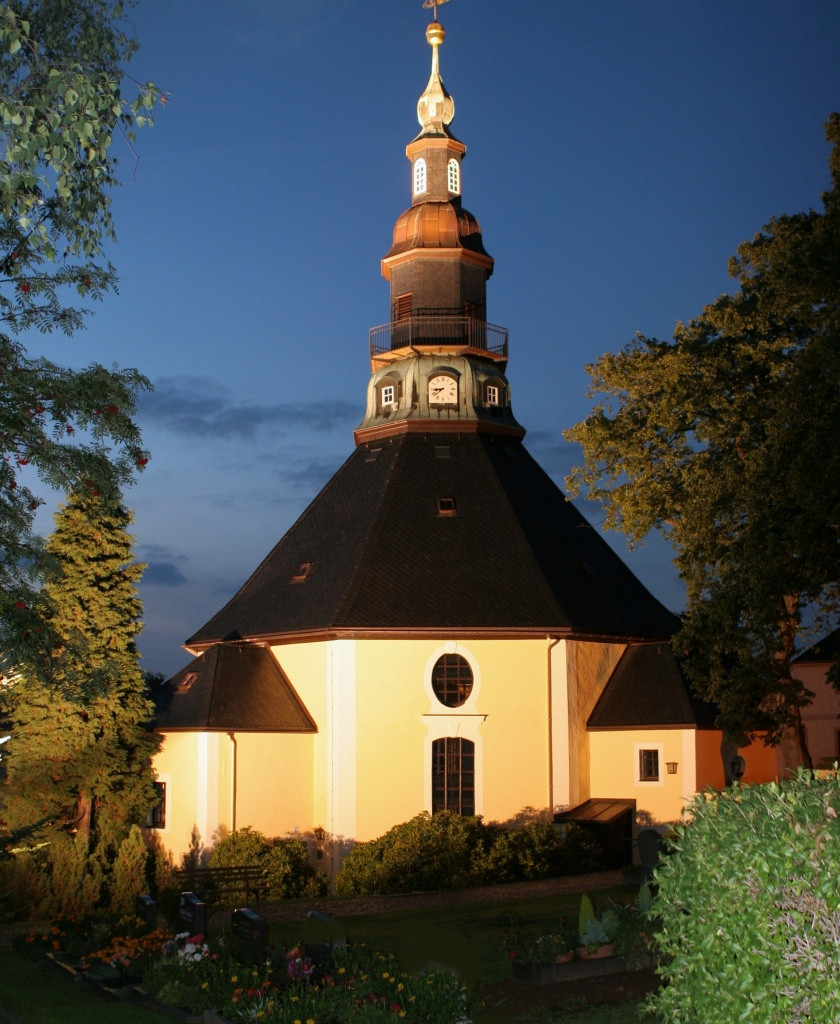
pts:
[200, 407]
[164, 574]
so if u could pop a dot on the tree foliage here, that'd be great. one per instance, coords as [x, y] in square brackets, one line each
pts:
[747, 900]
[63, 103]
[79, 756]
[725, 439]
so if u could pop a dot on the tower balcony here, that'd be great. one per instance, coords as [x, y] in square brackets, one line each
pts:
[459, 334]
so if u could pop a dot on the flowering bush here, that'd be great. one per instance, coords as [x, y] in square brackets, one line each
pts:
[360, 986]
[127, 953]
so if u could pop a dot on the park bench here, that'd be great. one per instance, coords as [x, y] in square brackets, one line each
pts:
[215, 884]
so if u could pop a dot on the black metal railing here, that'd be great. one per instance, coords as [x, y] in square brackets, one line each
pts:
[431, 329]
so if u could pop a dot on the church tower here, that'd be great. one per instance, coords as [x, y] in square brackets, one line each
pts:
[437, 627]
[438, 365]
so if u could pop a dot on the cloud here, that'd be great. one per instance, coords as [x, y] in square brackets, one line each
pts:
[164, 574]
[200, 407]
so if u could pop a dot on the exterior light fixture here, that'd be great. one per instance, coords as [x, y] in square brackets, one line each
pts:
[672, 767]
[319, 834]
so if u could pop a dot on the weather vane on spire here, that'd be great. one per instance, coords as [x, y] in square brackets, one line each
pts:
[434, 4]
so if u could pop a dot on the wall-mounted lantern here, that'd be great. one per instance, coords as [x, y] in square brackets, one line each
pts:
[319, 834]
[672, 767]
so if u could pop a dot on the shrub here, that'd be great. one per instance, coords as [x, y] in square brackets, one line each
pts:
[748, 905]
[285, 862]
[539, 850]
[427, 852]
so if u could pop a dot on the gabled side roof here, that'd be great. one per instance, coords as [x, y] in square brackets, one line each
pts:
[827, 649]
[648, 690]
[441, 532]
[231, 687]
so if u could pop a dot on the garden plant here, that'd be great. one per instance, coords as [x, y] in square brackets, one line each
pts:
[750, 924]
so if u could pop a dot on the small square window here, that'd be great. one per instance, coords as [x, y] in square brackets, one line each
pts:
[648, 766]
[441, 451]
[492, 394]
[446, 507]
[372, 454]
[389, 395]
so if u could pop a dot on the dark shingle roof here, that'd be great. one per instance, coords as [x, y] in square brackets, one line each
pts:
[827, 649]
[648, 690]
[231, 687]
[514, 555]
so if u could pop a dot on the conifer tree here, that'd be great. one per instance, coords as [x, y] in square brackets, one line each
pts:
[79, 757]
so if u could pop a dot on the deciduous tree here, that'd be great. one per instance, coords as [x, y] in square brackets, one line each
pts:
[725, 439]
[64, 101]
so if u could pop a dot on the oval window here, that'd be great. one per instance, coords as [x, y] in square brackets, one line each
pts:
[452, 680]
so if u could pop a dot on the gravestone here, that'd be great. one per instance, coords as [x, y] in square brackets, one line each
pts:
[192, 914]
[321, 935]
[146, 909]
[249, 936]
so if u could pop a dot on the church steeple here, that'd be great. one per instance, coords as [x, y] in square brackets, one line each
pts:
[437, 363]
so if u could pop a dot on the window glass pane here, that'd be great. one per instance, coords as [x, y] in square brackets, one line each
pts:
[453, 784]
[454, 176]
[419, 176]
[649, 765]
[452, 680]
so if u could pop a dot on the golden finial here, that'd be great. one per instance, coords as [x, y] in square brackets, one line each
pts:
[433, 5]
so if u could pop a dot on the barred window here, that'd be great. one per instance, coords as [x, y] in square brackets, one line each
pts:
[453, 176]
[453, 775]
[648, 766]
[419, 176]
[452, 680]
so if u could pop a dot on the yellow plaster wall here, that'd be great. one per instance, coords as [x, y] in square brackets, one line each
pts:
[614, 770]
[390, 733]
[589, 666]
[514, 696]
[175, 764]
[305, 666]
[275, 783]
[397, 721]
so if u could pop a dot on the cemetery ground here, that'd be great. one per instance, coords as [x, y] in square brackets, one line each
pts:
[34, 991]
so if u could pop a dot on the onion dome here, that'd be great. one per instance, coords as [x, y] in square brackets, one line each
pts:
[435, 108]
[437, 225]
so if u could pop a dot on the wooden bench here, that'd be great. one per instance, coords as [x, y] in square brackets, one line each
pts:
[213, 884]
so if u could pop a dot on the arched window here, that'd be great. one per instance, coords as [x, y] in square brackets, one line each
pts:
[419, 176]
[453, 775]
[452, 679]
[453, 176]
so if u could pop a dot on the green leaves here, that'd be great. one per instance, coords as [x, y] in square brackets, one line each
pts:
[723, 439]
[64, 99]
[748, 904]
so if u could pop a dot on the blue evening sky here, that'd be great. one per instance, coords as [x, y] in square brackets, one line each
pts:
[617, 153]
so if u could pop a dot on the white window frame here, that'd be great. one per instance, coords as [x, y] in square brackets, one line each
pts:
[659, 750]
[453, 176]
[419, 176]
[389, 395]
[494, 394]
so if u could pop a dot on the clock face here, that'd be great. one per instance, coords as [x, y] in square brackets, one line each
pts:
[443, 390]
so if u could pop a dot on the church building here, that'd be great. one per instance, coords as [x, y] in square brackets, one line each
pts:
[440, 628]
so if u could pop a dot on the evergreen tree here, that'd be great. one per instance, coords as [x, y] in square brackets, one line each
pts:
[725, 439]
[79, 757]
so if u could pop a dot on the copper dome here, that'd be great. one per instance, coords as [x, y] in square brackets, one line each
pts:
[436, 225]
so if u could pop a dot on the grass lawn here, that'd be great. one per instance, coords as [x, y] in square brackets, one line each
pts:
[35, 991]
[469, 935]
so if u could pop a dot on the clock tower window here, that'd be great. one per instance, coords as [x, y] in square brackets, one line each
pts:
[453, 176]
[419, 176]
[492, 394]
